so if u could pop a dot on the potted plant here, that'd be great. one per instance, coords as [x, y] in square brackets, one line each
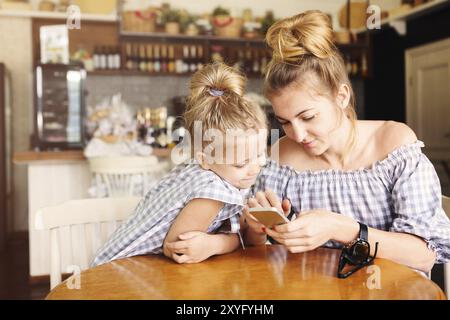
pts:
[171, 20]
[224, 24]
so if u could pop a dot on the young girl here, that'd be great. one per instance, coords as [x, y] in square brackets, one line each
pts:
[207, 194]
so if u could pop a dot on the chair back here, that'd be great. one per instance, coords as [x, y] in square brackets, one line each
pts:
[85, 225]
[125, 176]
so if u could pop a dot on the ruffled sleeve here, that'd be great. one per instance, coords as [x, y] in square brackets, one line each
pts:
[274, 177]
[417, 201]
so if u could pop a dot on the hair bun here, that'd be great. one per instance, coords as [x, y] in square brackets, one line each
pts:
[308, 33]
[217, 80]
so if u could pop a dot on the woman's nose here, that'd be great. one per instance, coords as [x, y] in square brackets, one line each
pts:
[299, 132]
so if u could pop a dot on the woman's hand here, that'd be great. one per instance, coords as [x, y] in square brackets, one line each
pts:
[192, 247]
[310, 230]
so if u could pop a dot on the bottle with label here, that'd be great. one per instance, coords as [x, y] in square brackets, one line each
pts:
[264, 62]
[164, 61]
[128, 57]
[255, 67]
[200, 57]
[248, 65]
[117, 61]
[157, 61]
[103, 58]
[96, 58]
[150, 61]
[178, 61]
[193, 59]
[135, 55]
[171, 61]
[110, 58]
[142, 59]
[185, 59]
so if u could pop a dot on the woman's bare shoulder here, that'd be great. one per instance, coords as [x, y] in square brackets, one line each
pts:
[391, 135]
[288, 152]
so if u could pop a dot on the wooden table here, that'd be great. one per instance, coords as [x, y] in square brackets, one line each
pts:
[255, 273]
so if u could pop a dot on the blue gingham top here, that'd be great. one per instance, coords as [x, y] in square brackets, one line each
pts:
[144, 232]
[400, 193]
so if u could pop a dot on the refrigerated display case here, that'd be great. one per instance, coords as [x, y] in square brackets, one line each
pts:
[60, 106]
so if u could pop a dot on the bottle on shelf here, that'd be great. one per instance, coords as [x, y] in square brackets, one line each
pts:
[255, 67]
[264, 62]
[157, 61]
[193, 59]
[117, 59]
[142, 59]
[150, 60]
[171, 61]
[164, 58]
[96, 58]
[128, 57]
[103, 58]
[248, 65]
[200, 57]
[179, 64]
[185, 59]
[110, 63]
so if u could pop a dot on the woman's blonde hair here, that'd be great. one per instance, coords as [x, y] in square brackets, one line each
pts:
[217, 100]
[304, 54]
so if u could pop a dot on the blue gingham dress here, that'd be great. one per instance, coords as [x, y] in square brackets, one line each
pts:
[144, 232]
[400, 193]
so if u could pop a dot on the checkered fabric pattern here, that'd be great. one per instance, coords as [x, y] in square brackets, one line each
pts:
[144, 232]
[400, 193]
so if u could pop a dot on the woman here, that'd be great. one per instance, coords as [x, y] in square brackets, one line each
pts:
[340, 173]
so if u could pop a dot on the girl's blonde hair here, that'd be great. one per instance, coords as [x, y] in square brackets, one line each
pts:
[304, 54]
[217, 100]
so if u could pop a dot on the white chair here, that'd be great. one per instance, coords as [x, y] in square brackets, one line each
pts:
[85, 224]
[126, 176]
[446, 206]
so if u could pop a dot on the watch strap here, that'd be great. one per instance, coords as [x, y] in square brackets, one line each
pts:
[363, 232]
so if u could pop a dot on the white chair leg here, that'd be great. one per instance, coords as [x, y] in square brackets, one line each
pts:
[55, 259]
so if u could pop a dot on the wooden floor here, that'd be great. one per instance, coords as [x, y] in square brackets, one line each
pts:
[14, 273]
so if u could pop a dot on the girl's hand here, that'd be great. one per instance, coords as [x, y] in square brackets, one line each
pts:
[192, 247]
[270, 199]
[310, 230]
[256, 232]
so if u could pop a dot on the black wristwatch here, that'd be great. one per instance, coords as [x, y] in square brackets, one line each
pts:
[358, 250]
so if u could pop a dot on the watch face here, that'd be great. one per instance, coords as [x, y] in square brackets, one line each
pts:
[360, 251]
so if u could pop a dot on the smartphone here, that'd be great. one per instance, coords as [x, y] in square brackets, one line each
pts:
[268, 216]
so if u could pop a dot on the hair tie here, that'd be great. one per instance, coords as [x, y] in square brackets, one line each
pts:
[215, 92]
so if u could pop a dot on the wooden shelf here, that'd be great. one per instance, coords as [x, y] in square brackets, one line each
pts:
[148, 74]
[165, 37]
[135, 73]
[57, 15]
